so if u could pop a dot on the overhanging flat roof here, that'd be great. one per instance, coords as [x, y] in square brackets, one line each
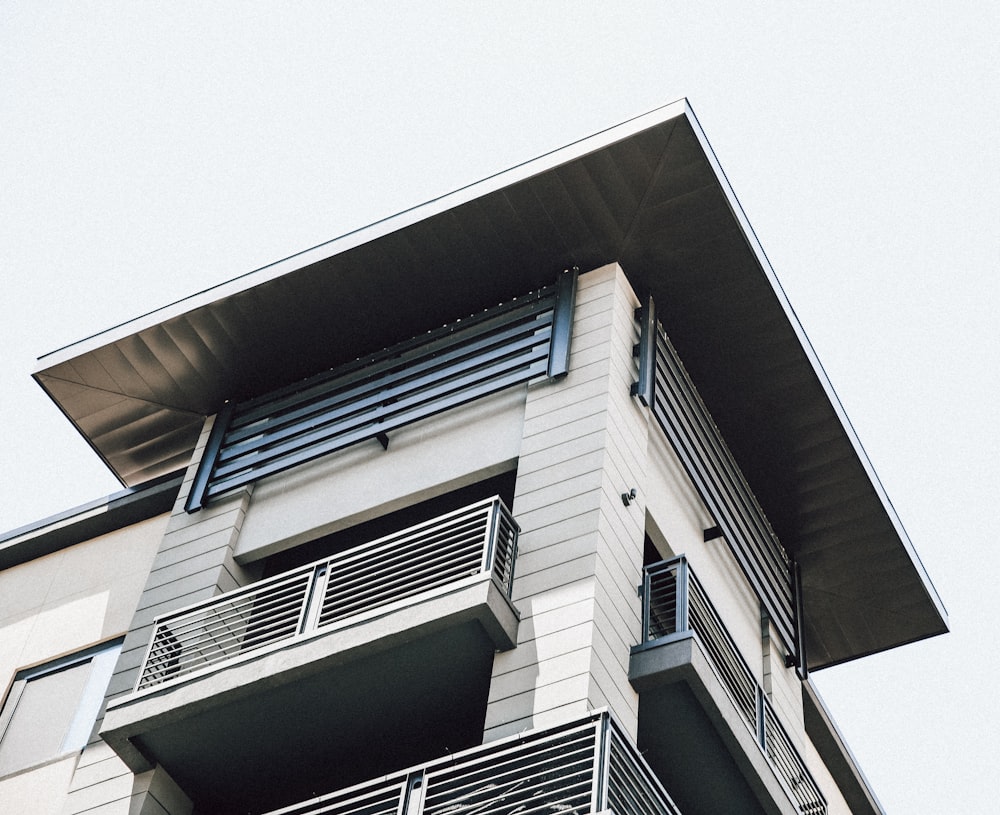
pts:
[649, 194]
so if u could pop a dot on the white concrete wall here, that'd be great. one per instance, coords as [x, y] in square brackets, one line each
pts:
[426, 459]
[580, 549]
[60, 604]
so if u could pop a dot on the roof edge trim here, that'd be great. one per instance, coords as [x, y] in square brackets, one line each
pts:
[373, 231]
[829, 743]
[807, 347]
[89, 520]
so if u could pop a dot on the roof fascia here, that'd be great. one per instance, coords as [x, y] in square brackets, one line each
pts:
[88, 521]
[817, 366]
[371, 232]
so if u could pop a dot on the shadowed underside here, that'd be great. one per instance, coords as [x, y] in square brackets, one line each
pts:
[648, 194]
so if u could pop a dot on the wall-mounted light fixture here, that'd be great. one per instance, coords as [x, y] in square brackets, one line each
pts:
[628, 497]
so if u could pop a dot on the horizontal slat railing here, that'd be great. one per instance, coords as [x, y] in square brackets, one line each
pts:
[687, 424]
[582, 767]
[674, 602]
[784, 756]
[633, 789]
[480, 539]
[506, 345]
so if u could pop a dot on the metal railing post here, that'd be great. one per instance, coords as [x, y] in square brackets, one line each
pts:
[682, 594]
[761, 721]
[492, 533]
[602, 764]
[516, 530]
[314, 598]
[412, 800]
[644, 592]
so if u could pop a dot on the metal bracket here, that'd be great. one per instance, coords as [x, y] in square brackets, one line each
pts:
[562, 324]
[196, 497]
[645, 349]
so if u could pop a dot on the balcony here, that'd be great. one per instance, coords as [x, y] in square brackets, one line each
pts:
[690, 674]
[583, 767]
[368, 657]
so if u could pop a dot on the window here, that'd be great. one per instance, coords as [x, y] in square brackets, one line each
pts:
[51, 709]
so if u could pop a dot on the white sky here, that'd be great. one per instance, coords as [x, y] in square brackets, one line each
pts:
[147, 154]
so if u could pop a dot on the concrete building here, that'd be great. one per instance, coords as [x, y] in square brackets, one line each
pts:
[531, 499]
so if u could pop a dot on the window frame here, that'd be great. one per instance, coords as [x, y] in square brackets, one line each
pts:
[102, 659]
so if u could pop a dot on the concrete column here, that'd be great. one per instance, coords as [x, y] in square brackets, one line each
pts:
[156, 793]
[580, 550]
[195, 562]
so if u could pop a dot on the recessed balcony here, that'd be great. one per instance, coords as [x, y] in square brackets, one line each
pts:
[705, 724]
[329, 673]
[586, 766]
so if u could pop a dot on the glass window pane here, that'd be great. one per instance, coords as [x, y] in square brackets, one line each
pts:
[42, 717]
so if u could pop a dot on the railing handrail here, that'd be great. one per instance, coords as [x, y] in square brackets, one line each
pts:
[578, 752]
[252, 618]
[687, 590]
[274, 579]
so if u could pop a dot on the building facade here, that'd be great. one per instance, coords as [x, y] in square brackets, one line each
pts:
[531, 499]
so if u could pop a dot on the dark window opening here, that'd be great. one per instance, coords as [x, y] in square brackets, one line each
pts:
[502, 485]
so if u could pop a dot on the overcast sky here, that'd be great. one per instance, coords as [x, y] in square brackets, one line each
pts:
[146, 155]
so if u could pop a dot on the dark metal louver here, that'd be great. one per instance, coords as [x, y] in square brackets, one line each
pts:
[366, 399]
[709, 463]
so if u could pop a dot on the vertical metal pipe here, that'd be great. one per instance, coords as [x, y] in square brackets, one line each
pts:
[644, 387]
[682, 594]
[562, 324]
[801, 666]
[197, 497]
[761, 723]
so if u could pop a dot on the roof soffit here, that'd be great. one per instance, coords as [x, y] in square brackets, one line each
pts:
[649, 195]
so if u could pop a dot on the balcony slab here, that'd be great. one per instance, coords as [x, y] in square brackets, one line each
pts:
[412, 678]
[694, 738]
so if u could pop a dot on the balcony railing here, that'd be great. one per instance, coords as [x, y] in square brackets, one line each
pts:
[584, 767]
[675, 604]
[667, 388]
[367, 580]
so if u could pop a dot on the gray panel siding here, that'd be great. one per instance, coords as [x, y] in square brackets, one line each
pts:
[194, 562]
[580, 547]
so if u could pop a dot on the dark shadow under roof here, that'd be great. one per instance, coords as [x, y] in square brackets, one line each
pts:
[648, 194]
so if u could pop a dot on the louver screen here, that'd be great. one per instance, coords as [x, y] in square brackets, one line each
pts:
[710, 465]
[466, 360]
